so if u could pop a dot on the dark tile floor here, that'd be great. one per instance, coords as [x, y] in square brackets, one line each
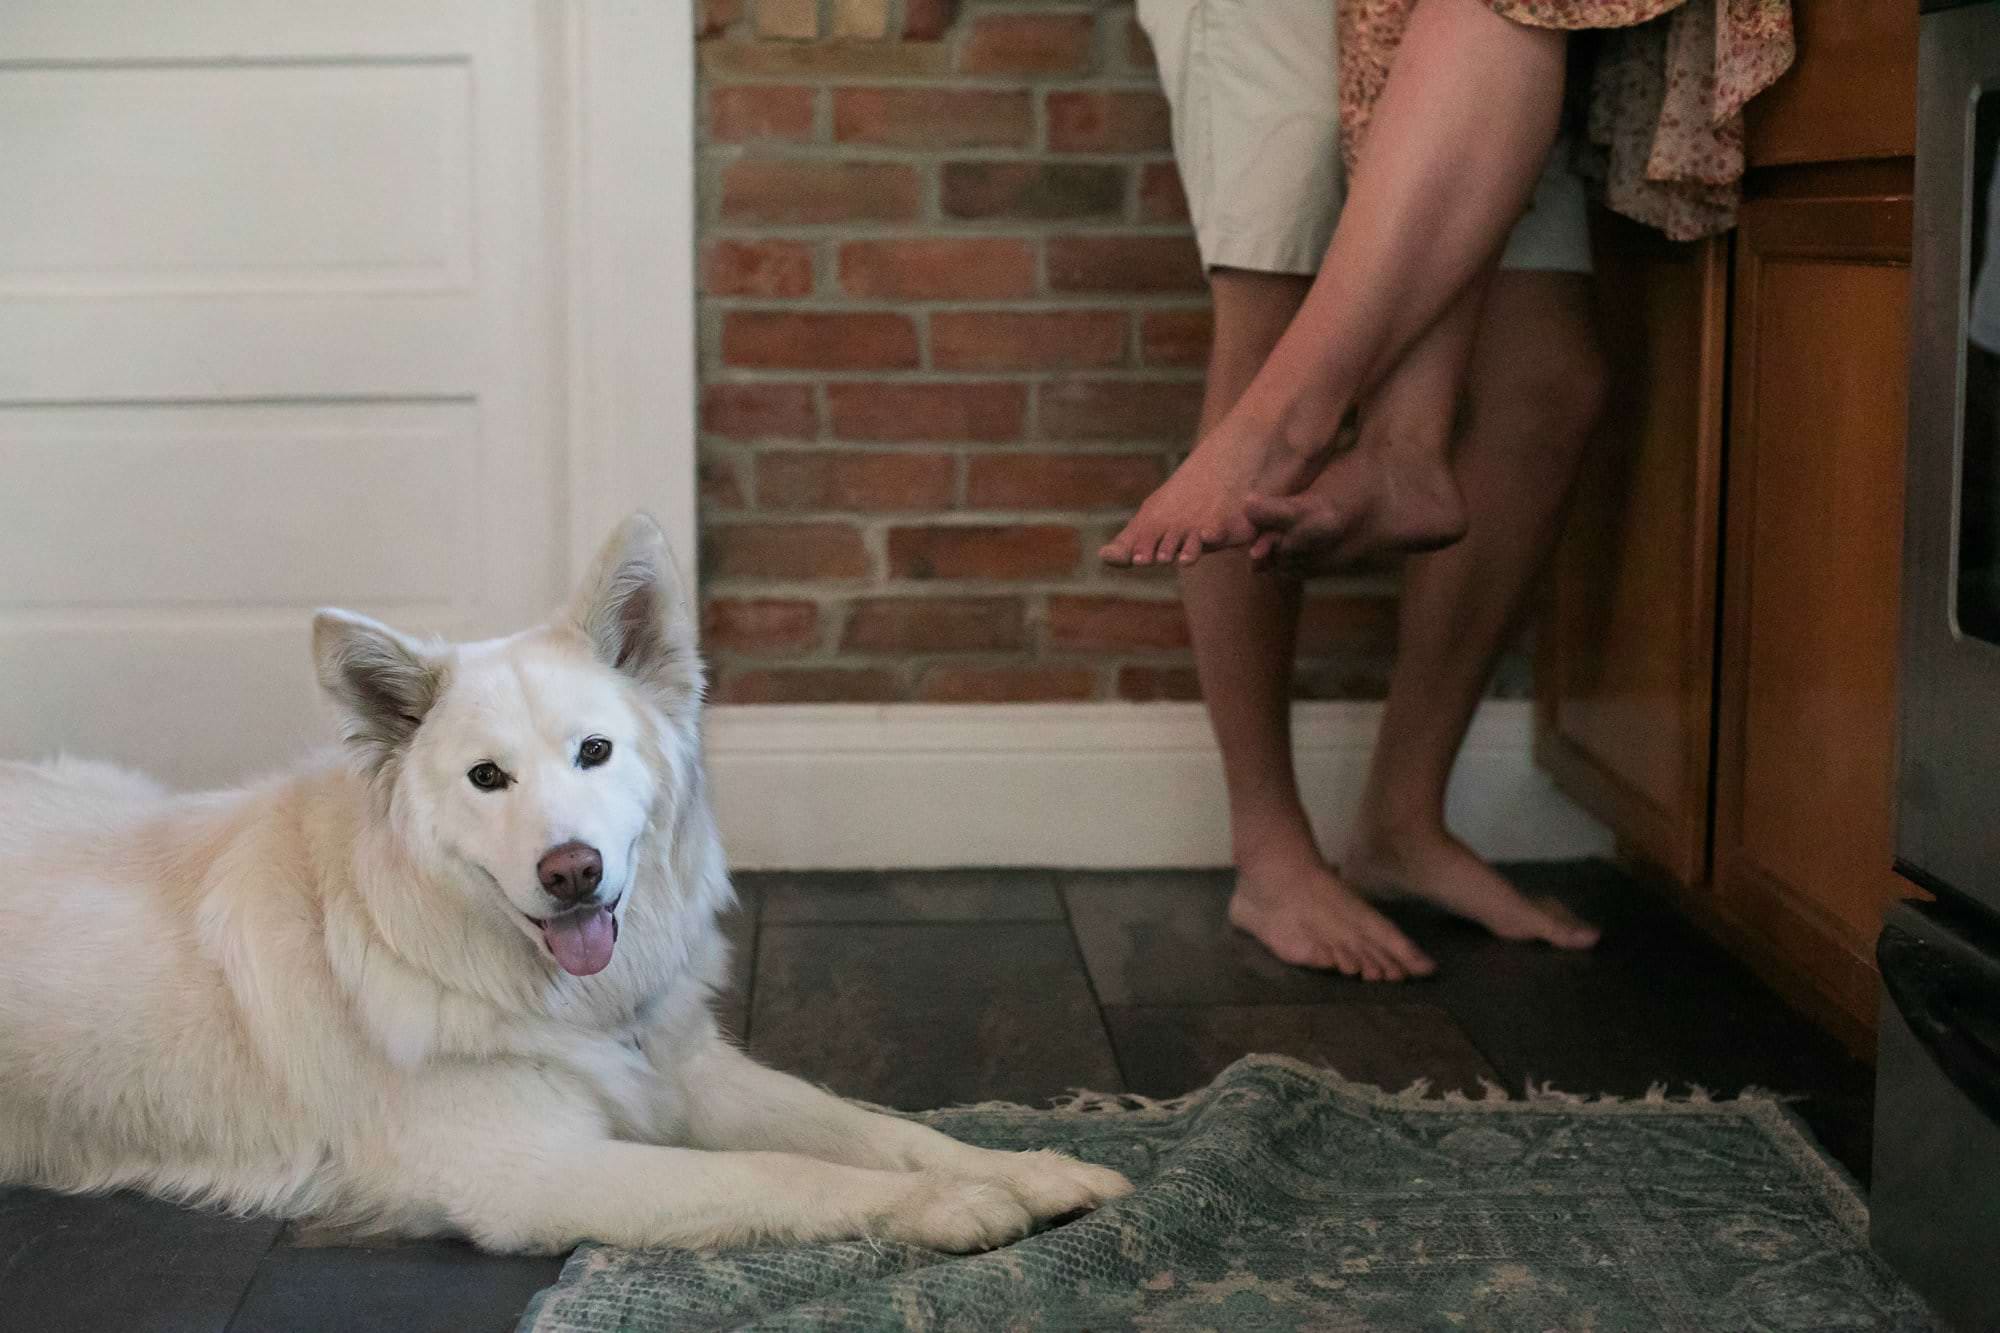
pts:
[924, 990]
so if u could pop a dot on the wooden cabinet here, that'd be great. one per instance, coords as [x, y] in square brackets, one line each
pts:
[1805, 730]
[1851, 93]
[1626, 655]
[1717, 679]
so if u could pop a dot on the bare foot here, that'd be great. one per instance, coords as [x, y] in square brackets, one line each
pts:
[1368, 502]
[1306, 917]
[1440, 869]
[1201, 507]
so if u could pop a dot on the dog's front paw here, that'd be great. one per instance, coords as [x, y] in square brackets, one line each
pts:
[1050, 1184]
[956, 1213]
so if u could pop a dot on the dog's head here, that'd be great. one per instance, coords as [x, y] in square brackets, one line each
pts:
[529, 771]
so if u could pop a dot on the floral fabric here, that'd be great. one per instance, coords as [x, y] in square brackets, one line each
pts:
[1665, 98]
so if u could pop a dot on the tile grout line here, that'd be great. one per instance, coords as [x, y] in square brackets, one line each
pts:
[243, 1296]
[1062, 881]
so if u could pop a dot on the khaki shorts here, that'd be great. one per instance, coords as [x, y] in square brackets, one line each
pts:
[1256, 116]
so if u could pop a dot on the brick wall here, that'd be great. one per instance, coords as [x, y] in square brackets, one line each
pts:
[953, 328]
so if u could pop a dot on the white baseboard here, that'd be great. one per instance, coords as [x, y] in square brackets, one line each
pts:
[1098, 786]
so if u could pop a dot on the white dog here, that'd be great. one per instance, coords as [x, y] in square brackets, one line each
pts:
[458, 982]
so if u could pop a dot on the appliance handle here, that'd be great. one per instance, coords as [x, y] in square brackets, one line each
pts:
[1952, 1005]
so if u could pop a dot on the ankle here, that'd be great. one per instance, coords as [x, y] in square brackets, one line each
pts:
[1384, 825]
[1276, 859]
[1409, 447]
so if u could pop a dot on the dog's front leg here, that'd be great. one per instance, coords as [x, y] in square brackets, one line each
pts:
[733, 1103]
[534, 1169]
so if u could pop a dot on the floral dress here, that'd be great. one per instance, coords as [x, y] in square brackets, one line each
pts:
[1665, 97]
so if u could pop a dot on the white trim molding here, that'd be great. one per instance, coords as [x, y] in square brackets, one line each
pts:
[1082, 786]
[627, 142]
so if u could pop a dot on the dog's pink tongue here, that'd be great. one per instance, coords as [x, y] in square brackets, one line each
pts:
[581, 941]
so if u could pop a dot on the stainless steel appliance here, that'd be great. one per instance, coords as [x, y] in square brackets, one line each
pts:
[1937, 1123]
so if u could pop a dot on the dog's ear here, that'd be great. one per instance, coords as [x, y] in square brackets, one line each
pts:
[632, 609]
[382, 682]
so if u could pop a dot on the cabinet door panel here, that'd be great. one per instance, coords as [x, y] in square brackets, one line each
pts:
[1813, 547]
[1624, 683]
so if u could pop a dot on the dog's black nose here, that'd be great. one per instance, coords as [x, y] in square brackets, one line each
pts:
[570, 872]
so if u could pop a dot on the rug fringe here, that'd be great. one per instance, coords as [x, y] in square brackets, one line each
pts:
[1086, 1101]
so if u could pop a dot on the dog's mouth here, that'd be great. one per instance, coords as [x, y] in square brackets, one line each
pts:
[581, 941]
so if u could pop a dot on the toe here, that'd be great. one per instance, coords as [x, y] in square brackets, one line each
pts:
[1407, 957]
[1191, 549]
[1232, 531]
[1564, 928]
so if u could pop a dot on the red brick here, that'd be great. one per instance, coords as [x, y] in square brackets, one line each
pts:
[759, 411]
[1125, 264]
[818, 340]
[823, 60]
[759, 625]
[1348, 622]
[783, 551]
[1061, 481]
[810, 685]
[1028, 339]
[1034, 191]
[1150, 684]
[1024, 44]
[1176, 337]
[713, 17]
[927, 20]
[1013, 551]
[1099, 122]
[933, 117]
[982, 413]
[789, 20]
[758, 268]
[1161, 196]
[836, 479]
[1120, 409]
[777, 190]
[930, 269]
[1342, 680]
[718, 483]
[963, 684]
[1138, 47]
[935, 625]
[863, 20]
[738, 113]
[1109, 624]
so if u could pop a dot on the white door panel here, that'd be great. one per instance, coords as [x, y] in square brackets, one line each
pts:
[102, 488]
[280, 326]
[217, 162]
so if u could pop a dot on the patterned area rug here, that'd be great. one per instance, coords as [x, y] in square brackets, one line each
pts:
[1283, 1198]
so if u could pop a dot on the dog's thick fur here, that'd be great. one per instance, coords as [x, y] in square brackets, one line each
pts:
[334, 994]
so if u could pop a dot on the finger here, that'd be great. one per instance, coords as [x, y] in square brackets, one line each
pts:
[1314, 535]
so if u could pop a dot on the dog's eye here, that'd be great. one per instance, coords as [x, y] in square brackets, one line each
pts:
[594, 751]
[488, 777]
